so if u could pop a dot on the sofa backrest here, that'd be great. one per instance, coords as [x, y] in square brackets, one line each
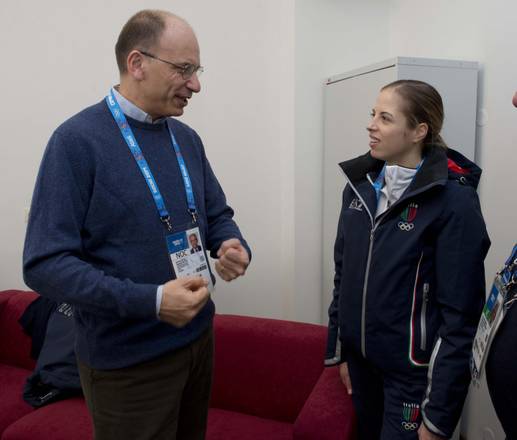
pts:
[266, 367]
[15, 345]
[262, 367]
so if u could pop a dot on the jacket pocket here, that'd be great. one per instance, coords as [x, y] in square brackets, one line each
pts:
[423, 317]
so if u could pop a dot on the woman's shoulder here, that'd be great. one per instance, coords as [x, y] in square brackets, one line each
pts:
[460, 198]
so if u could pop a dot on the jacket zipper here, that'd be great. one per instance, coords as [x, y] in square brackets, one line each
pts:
[423, 318]
[365, 290]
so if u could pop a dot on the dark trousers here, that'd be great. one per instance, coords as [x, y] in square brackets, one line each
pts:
[387, 406]
[166, 398]
[501, 373]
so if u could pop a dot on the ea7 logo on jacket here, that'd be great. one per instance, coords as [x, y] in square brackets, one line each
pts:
[356, 204]
[408, 216]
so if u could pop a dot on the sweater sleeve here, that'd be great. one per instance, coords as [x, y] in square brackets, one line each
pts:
[221, 226]
[461, 247]
[53, 257]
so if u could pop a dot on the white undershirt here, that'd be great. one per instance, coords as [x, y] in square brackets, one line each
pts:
[396, 181]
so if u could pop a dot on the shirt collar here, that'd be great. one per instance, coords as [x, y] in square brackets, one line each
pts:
[134, 112]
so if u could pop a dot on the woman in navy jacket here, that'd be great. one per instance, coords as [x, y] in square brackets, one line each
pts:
[409, 274]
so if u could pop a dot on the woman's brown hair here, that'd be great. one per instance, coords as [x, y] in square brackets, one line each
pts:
[423, 104]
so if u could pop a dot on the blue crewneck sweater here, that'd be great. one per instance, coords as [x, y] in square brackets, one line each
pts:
[95, 240]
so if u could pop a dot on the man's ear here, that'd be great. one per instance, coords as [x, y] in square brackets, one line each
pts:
[420, 132]
[135, 65]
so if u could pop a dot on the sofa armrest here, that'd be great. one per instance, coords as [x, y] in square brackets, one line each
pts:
[5, 295]
[328, 413]
[15, 345]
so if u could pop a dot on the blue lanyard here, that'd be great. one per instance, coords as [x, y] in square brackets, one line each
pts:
[512, 259]
[132, 143]
[379, 182]
[184, 173]
[509, 271]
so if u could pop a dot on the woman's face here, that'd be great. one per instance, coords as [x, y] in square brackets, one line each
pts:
[391, 138]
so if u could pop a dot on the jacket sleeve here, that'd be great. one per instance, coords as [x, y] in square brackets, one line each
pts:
[53, 258]
[334, 353]
[461, 247]
[221, 226]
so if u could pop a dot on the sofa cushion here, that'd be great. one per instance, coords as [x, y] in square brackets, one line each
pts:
[15, 345]
[12, 405]
[63, 420]
[265, 367]
[228, 425]
[69, 419]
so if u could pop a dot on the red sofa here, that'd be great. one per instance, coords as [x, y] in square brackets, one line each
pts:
[269, 384]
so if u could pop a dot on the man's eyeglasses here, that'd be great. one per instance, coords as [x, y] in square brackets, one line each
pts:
[186, 70]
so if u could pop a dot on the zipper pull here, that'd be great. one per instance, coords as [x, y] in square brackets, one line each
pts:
[426, 292]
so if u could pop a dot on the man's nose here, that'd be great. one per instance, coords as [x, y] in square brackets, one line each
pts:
[194, 84]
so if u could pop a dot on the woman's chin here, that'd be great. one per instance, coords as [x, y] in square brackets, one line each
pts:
[376, 154]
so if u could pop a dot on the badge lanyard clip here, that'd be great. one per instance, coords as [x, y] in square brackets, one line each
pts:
[193, 213]
[167, 222]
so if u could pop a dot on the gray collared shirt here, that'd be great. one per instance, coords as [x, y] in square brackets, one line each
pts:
[134, 112]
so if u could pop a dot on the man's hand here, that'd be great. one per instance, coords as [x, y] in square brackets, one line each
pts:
[233, 260]
[425, 434]
[182, 299]
[345, 377]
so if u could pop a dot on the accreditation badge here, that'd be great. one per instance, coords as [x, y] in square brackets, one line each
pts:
[491, 318]
[501, 297]
[188, 257]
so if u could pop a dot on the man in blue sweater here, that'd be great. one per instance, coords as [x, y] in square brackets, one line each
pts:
[121, 186]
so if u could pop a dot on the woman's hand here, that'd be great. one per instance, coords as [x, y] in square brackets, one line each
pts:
[345, 377]
[425, 434]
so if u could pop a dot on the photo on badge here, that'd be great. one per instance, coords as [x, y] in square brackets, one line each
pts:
[187, 255]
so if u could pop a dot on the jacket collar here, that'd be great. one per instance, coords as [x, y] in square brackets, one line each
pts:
[434, 170]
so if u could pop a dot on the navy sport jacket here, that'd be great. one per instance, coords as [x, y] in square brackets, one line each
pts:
[409, 285]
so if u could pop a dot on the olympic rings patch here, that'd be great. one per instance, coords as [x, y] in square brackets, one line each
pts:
[405, 226]
[409, 426]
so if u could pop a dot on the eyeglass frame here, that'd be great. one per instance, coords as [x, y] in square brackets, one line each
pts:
[183, 69]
